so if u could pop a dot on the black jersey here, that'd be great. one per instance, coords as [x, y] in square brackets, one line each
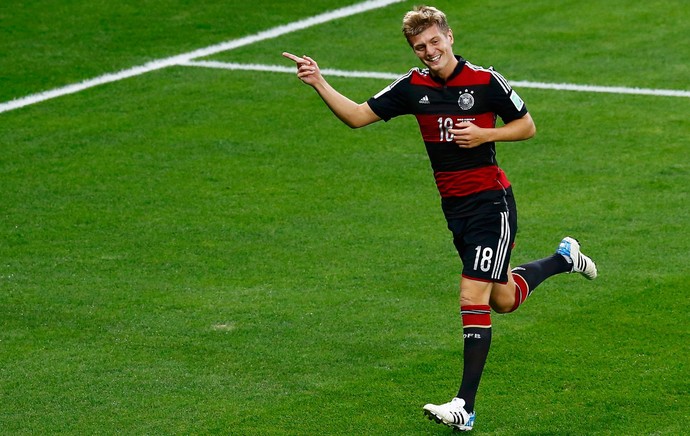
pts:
[468, 179]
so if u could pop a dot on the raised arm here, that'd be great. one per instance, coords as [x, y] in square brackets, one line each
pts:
[353, 114]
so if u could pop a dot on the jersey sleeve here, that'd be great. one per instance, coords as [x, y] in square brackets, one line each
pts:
[392, 100]
[506, 103]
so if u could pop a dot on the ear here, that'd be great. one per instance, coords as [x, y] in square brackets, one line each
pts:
[450, 36]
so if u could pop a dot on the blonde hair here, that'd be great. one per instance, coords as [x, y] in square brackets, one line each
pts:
[421, 18]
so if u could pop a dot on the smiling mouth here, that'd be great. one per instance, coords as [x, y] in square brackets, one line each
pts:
[434, 59]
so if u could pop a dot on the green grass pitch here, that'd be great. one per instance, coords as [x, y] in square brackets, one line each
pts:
[205, 251]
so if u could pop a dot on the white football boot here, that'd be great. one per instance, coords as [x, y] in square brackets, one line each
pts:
[570, 248]
[452, 414]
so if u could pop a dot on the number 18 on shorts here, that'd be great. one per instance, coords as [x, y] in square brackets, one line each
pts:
[484, 243]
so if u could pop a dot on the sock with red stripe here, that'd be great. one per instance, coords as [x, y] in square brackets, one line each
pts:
[476, 328]
[529, 276]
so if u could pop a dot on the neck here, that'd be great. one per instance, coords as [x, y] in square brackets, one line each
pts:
[448, 70]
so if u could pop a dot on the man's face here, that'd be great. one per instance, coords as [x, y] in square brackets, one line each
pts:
[435, 49]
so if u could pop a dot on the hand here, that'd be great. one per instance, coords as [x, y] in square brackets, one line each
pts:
[307, 69]
[469, 135]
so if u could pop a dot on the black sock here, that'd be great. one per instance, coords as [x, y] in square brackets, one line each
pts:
[536, 272]
[476, 322]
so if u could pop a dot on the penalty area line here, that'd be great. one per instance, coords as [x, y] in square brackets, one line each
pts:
[392, 76]
[275, 32]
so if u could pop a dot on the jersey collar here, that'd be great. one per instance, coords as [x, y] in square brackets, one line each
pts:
[456, 71]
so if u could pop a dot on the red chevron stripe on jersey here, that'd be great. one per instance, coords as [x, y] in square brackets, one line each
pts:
[472, 181]
[434, 127]
[467, 77]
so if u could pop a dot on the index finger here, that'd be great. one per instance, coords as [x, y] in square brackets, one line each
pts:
[294, 58]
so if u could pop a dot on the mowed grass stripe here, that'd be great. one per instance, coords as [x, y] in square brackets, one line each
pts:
[206, 51]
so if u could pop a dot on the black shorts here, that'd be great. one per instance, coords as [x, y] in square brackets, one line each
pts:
[485, 241]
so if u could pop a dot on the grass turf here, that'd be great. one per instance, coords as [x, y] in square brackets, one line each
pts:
[202, 251]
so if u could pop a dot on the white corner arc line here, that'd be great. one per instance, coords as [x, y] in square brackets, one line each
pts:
[206, 51]
[392, 76]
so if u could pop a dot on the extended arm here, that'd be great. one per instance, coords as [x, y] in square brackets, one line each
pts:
[468, 135]
[353, 114]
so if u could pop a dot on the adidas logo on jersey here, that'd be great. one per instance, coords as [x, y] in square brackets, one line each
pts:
[424, 100]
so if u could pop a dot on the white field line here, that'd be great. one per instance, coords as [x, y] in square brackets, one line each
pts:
[392, 76]
[289, 69]
[207, 51]
[606, 89]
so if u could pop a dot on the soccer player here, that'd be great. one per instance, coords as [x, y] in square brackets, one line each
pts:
[456, 105]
